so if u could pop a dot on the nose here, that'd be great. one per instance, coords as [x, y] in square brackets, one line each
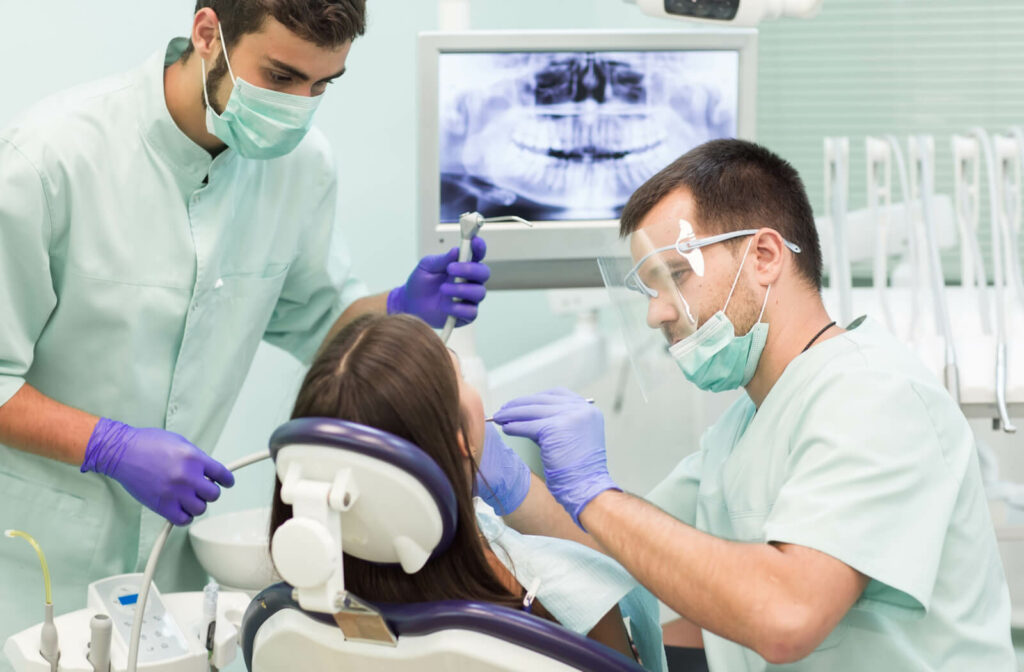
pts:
[661, 311]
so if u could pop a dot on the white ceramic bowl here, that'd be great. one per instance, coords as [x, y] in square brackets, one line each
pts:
[233, 548]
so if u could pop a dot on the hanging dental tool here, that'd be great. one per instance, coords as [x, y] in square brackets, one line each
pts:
[470, 224]
[996, 207]
[49, 647]
[922, 153]
[912, 227]
[1008, 169]
[837, 189]
[879, 186]
[967, 202]
[1009, 152]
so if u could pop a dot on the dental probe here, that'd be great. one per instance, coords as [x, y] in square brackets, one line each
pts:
[469, 225]
[491, 419]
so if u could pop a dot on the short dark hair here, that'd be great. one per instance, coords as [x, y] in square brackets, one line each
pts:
[325, 23]
[736, 185]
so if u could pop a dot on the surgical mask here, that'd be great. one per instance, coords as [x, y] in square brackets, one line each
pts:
[259, 123]
[714, 358]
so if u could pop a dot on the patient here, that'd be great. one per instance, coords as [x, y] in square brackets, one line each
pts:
[394, 373]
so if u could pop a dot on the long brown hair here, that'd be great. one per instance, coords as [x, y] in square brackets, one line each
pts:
[395, 374]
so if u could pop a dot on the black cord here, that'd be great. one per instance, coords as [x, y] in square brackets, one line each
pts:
[811, 342]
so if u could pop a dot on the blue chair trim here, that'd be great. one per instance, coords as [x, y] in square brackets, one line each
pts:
[412, 620]
[379, 445]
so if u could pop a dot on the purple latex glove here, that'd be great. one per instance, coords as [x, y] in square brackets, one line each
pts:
[431, 290]
[161, 469]
[503, 479]
[570, 433]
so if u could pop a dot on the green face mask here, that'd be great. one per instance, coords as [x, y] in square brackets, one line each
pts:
[259, 123]
[714, 358]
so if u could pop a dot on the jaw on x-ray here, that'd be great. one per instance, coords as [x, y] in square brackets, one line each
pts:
[569, 136]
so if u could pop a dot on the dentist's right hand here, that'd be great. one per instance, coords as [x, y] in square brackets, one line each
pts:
[160, 469]
[570, 433]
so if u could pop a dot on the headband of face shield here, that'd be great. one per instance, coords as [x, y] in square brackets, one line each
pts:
[656, 291]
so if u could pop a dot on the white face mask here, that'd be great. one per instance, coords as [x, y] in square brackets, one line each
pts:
[259, 123]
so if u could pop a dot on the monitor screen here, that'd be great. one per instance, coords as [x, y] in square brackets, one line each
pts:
[568, 135]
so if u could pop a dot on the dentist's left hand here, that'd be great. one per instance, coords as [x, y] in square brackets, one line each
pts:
[570, 433]
[161, 469]
[431, 291]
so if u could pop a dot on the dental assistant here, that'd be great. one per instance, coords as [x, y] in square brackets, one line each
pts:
[834, 517]
[154, 228]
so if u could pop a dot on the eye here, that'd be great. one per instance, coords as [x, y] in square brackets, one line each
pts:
[279, 77]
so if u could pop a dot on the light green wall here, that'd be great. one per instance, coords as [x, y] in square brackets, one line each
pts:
[863, 66]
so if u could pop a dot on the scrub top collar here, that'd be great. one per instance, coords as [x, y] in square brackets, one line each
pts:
[190, 163]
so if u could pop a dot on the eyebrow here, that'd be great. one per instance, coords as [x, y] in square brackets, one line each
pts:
[298, 74]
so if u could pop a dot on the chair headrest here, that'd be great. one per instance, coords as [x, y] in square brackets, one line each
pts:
[357, 490]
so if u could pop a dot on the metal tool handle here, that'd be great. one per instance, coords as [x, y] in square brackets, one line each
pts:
[1004, 413]
[470, 224]
[465, 254]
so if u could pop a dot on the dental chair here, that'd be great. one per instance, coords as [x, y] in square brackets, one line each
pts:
[379, 498]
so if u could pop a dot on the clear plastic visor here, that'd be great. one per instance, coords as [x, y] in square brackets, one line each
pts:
[655, 288]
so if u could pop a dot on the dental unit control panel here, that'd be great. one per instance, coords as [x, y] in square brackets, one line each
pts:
[173, 634]
[162, 639]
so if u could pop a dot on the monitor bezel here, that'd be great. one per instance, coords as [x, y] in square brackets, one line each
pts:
[555, 254]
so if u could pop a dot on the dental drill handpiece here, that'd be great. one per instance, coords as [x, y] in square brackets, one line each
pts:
[470, 224]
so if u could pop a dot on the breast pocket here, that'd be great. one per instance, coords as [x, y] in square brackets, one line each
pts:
[223, 331]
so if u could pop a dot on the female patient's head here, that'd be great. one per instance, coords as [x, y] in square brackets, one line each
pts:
[395, 374]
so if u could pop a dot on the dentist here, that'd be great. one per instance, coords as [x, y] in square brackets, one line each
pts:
[155, 227]
[834, 517]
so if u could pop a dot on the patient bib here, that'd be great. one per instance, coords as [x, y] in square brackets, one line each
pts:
[578, 585]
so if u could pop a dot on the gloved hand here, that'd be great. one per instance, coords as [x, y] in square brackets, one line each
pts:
[431, 287]
[161, 469]
[502, 478]
[570, 433]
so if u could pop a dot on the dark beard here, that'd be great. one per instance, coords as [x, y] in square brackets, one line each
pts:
[213, 79]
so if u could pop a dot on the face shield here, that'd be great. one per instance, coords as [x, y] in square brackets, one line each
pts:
[658, 292]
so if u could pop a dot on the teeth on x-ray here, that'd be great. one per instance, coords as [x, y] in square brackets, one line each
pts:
[561, 136]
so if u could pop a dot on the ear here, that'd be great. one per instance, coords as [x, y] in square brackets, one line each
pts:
[769, 252]
[463, 445]
[205, 35]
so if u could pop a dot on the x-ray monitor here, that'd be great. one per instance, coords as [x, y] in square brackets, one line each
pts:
[560, 128]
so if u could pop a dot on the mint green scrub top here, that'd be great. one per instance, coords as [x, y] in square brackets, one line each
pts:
[137, 278]
[860, 453]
